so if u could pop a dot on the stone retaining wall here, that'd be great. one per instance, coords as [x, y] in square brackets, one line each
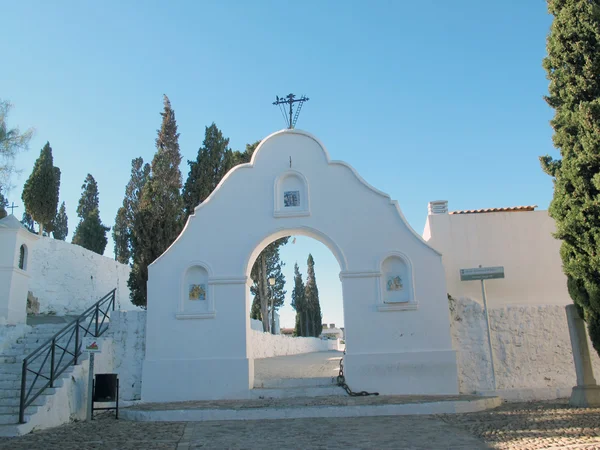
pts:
[68, 279]
[531, 344]
[266, 345]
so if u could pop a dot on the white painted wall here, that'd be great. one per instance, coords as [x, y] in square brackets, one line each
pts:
[267, 345]
[68, 279]
[203, 350]
[532, 350]
[522, 242]
[123, 349]
[14, 280]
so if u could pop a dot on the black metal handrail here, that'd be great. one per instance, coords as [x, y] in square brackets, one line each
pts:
[61, 342]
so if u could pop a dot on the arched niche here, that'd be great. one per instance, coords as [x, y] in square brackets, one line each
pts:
[196, 299]
[291, 195]
[397, 286]
[23, 257]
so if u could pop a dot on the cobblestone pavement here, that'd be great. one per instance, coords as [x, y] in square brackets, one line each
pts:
[541, 425]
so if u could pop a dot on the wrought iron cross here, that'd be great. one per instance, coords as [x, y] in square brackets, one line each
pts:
[290, 99]
[12, 208]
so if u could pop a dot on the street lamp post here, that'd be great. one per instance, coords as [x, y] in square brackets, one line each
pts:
[117, 234]
[271, 284]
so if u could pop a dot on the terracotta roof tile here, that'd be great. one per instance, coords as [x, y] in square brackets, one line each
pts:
[491, 210]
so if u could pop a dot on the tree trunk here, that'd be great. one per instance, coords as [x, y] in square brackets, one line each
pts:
[272, 315]
[306, 323]
[41, 232]
[263, 293]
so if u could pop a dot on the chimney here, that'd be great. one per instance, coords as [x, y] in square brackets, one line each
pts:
[324, 326]
[438, 207]
[332, 325]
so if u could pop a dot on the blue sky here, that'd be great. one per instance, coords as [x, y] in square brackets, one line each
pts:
[427, 100]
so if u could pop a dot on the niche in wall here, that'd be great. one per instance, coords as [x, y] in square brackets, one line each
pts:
[195, 298]
[397, 291]
[291, 195]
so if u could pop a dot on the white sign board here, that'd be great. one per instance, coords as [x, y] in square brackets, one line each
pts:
[481, 273]
[92, 344]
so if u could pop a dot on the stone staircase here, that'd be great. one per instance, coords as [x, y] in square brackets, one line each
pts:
[11, 363]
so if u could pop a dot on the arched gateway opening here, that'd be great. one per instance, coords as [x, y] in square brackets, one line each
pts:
[393, 283]
[301, 350]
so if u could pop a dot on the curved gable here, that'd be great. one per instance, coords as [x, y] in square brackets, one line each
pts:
[283, 149]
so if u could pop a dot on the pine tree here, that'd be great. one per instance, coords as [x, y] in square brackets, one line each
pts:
[40, 193]
[158, 221]
[90, 232]
[311, 295]
[214, 160]
[573, 68]
[12, 141]
[60, 227]
[299, 303]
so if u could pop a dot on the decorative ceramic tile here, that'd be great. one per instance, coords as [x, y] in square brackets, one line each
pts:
[394, 283]
[197, 292]
[291, 198]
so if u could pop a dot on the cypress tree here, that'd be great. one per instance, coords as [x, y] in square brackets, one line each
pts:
[245, 156]
[3, 206]
[27, 222]
[89, 198]
[299, 303]
[573, 68]
[213, 161]
[90, 232]
[266, 297]
[40, 193]
[121, 237]
[158, 220]
[60, 227]
[311, 295]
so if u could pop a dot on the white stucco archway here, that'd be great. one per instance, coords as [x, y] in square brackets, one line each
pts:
[298, 231]
[393, 283]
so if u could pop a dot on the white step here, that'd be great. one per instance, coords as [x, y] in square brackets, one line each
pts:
[16, 384]
[7, 394]
[282, 383]
[8, 419]
[8, 376]
[298, 392]
[11, 368]
[39, 401]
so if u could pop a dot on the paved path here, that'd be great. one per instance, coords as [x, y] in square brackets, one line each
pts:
[306, 365]
[511, 426]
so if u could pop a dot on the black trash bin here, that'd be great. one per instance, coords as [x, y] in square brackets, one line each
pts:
[106, 390]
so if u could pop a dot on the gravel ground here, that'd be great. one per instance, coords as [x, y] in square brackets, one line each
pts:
[305, 365]
[541, 425]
